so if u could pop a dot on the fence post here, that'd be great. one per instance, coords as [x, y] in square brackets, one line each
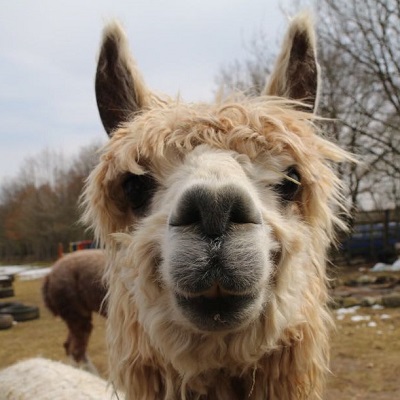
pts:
[386, 230]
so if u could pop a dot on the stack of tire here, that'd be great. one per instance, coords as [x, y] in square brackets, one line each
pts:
[13, 311]
[6, 288]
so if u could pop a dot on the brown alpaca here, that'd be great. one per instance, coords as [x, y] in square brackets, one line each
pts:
[74, 290]
[216, 221]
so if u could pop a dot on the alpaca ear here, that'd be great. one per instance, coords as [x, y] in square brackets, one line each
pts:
[296, 73]
[120, 90]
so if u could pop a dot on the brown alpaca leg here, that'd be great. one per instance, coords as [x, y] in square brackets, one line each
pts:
[80, 329]
[67, 344]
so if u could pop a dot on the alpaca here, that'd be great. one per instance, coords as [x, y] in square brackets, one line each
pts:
[73, 290]
[216, 221]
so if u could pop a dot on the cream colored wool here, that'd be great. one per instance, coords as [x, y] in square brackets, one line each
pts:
[280, 348]
[42, 379]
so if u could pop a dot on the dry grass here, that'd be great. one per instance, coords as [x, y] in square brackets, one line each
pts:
[365, 362]
[45, 336]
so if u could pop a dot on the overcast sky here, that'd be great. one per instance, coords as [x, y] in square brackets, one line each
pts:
[48, 57]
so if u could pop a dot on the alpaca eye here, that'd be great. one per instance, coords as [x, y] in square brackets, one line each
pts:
[290, 185]
[139, 190]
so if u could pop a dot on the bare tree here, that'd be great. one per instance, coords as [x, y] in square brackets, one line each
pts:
[39, 209]
[360, 59]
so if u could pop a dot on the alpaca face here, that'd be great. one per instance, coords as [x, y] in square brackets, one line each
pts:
[218, 229]
[219, 235]
[218, 241]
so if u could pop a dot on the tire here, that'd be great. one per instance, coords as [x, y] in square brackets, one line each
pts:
[5, 281]
[6, 292]
[6, 321]
[20, 312]
[8, 304]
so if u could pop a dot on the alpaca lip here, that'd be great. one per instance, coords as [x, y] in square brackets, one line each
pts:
[215, 313]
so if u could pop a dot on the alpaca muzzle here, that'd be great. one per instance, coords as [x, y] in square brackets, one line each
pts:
[215, 265]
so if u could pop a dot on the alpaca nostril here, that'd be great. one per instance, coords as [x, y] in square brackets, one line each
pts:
[214, 210]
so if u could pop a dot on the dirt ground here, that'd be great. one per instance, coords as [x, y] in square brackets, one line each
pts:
[365, 354]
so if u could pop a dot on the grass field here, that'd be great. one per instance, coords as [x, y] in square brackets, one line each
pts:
[45, 336]
[365, 359]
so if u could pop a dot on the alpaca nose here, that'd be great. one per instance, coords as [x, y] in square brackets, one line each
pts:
[215, 210]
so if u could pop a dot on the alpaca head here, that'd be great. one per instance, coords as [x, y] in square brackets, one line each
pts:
[216, 217]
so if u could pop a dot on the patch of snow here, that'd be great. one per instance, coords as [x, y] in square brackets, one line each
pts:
[24, 272]
[359, 318]
[372, 324]
[349, 310]
[377, 307]
[33, 274]
[13, 269]
[396, 265]
[379, 267]
[385, 316]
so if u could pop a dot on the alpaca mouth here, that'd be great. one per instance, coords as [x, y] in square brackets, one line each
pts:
[214, 292]
[215, 309]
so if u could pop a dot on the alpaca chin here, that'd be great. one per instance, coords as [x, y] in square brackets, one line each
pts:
[217, 313]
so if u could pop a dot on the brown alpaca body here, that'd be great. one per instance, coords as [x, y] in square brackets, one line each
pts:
[216, 220]
[73, 290]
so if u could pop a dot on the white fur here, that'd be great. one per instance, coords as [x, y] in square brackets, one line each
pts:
[41, 379]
